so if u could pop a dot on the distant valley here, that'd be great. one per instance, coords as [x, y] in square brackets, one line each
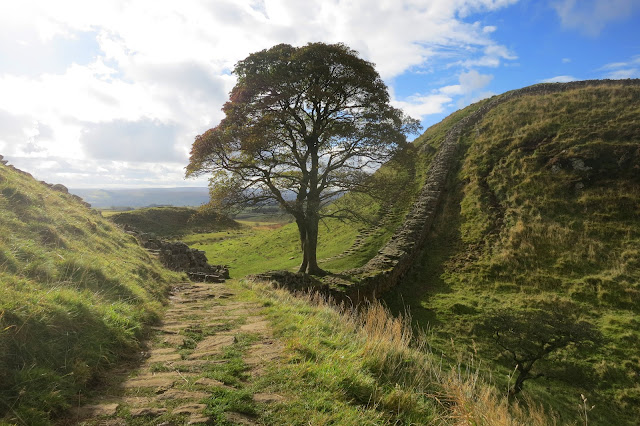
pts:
[143, 197]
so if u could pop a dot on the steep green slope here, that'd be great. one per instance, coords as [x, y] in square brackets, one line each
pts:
[76, 294]
[170, 222]
[543, 213]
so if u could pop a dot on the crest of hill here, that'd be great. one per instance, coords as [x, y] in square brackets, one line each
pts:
[76, 295]
[171, 222]
[542, 209]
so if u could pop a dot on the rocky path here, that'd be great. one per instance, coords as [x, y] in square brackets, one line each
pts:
[206, 352]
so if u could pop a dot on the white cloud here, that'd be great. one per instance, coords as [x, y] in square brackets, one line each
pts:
[566, 60]
[559, 79]
[467, 91]
[591, 16]
[468, 82]
[165, 62]
[622, 70]
[421, 105]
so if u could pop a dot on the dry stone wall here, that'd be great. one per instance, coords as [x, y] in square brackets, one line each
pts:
[385, 270]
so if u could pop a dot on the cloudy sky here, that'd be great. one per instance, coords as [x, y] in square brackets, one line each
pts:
[112, 93]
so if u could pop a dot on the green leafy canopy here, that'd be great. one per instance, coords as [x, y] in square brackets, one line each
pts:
[311, 120]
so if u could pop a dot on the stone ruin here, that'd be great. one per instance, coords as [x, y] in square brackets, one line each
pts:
[178, 256]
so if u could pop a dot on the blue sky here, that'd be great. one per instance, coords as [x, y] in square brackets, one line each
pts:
[112, 94]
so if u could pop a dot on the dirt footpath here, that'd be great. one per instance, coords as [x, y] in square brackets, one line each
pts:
[209, 346]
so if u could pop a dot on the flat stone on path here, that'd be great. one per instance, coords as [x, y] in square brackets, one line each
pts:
[256, 327]
[152, 381]
[239, 418]
[267, 398]
[174, 394]
[164, 358]
[148, 411]
[197, 419]
[97, 410]
[190, 409]
[198, 312]
[195, 364]
[211, 345]
[137, 401]
[173, 339]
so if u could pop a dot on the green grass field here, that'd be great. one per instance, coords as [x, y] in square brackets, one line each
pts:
[76, 296]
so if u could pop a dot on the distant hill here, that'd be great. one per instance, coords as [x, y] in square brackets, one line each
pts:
[143, 197]
[170, 222]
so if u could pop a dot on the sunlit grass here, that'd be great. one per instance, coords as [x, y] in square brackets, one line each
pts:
[76, 296]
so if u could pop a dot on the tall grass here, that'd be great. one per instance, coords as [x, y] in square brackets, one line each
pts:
[378, 363]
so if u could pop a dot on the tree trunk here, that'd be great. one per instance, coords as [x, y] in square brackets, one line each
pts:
[523, 374]
[302, 230]
[311, 245]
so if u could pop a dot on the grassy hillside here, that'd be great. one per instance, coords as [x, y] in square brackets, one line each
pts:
[543, 214]
[168, 222]
[76, 295]
[367, 367]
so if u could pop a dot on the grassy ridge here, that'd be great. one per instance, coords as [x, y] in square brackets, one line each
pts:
[75, 296]
[171, 222]
[544, 211]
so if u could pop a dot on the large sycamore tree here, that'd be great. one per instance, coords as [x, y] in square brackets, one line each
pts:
[303, 125]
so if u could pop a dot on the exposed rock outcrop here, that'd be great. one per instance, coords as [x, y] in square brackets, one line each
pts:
[177, 256]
